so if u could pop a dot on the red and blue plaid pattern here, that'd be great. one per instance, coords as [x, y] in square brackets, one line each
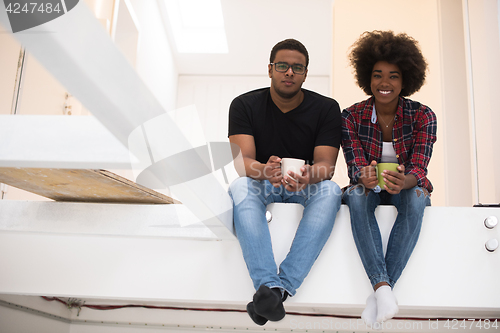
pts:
[413, 134]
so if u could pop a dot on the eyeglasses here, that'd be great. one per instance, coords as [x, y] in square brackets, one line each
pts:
[283, 67]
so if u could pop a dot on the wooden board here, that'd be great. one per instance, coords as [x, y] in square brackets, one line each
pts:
[81, 185]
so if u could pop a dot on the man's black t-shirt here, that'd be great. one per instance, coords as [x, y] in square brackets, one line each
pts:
[315, 122]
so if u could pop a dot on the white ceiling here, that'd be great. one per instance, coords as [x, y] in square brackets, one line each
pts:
[253, 27]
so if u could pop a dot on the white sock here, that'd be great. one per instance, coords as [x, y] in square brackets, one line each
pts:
[369, 314]
[387, 304]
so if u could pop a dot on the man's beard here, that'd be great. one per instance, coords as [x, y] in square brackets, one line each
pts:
[286, 95]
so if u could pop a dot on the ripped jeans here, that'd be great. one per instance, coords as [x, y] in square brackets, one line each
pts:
[410, 204]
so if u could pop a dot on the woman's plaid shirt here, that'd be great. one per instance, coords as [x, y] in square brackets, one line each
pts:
[413, 135]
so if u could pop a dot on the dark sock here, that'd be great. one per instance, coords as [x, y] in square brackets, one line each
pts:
[259, 320]
[285, 296]
[268, 304]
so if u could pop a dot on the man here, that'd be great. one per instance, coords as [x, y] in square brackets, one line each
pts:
[268, 124]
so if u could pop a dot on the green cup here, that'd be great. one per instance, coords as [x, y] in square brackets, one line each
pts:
[384, 166]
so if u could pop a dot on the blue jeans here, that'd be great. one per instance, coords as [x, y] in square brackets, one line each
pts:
[404, 234]
[321, 203]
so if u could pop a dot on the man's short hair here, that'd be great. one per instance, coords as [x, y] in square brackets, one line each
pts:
[289, 44]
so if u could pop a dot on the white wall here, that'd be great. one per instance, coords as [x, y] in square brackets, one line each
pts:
[155, 63]
[455, 132]
[9, 55]
[40, 93]
[485, 55]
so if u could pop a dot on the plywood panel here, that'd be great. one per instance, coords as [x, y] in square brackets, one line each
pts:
[81, 185]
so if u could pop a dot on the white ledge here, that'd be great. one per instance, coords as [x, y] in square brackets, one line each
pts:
[117, 259]
[70, 142]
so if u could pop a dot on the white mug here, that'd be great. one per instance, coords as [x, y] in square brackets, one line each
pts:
[291, 164]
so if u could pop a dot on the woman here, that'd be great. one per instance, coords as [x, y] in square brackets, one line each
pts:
[387, 127]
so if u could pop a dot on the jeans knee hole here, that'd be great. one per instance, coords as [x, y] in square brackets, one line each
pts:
[356, 187]
[421, 191]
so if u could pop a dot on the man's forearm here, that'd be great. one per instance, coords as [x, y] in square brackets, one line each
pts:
[254, 169]
[250, 168]
[321, 171]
